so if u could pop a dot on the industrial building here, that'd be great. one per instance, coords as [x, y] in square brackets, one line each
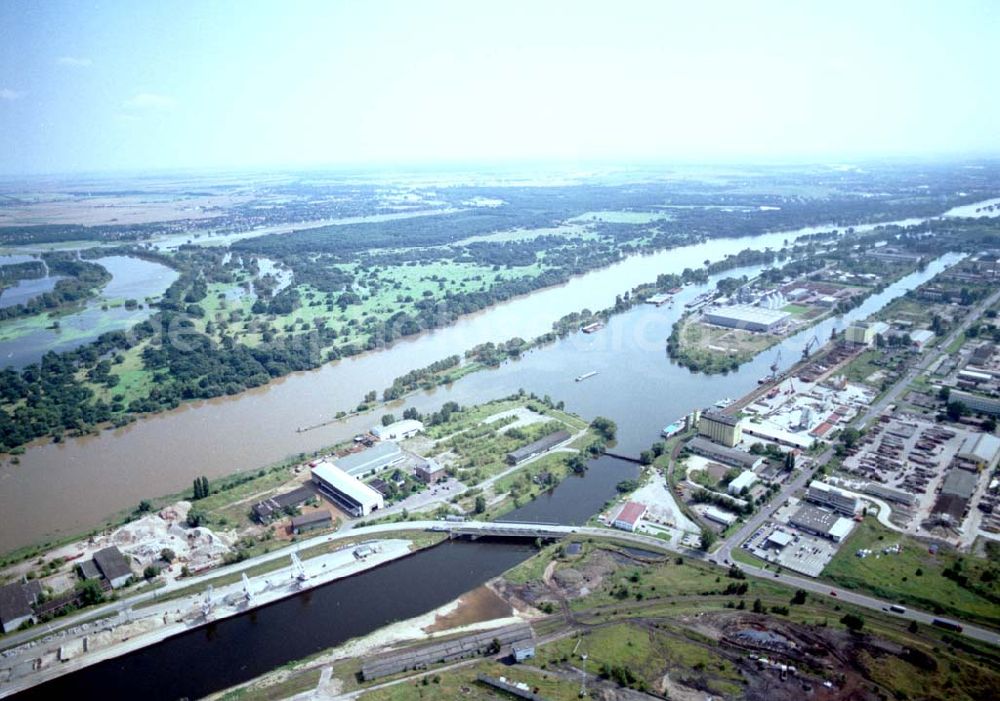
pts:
[744, 480]
[921, 337]
[16, 602]
[864, 332]
[466, 646]
[108, 564]
[825, 495]
[780, 436]
[375, 459]
[721, 517]
[311, 521]
[629, 516]
[272, 507]
[960, 483]
[721, 428]
[744, 316]
[977, 403]
[430, 471]
[538, 447]
[981, 449]
[720, 453]
[345, 490]
[398, 431]
[819, 522]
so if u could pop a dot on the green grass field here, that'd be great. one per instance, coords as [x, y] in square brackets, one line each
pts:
[895, 577]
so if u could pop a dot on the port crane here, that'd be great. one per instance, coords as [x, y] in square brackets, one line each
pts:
[776, 364]
[298, 569]
[246, 589]
[206, 604]
[809, 346]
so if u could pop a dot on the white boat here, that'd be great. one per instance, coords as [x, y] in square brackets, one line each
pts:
[584, 376]
[723, 403]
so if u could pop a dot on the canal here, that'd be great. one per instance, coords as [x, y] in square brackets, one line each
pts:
[233, 650]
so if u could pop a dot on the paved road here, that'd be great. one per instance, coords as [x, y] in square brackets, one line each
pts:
[932, 355]
[725, 553]
[865, 601]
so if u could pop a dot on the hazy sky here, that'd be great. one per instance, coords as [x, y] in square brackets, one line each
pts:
[146, 85]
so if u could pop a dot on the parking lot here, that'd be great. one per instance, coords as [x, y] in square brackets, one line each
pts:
[804, 553]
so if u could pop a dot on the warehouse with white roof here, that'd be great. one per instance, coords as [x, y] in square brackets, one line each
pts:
[744, 316]
[349, 493]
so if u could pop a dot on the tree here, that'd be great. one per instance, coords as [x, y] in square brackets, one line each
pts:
[789, 461]
[944, 393]
[646, 457]
[849, 437]
[707, 540]
[150, 572]
[758, 606]
[388, 419]
[989, 424]
[145, 506]
[90, 592]
[480, 504]
[167, 555]
[800, 597]
[853, 622]
[605, 427]
[578, 464]
[195, 518]
[956, 410]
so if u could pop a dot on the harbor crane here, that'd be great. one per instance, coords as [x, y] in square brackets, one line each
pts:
[298, 569]
[814, 341]
[776, 364]
[246, 589]
[206, 604]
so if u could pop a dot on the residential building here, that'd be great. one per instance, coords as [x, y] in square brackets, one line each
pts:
[430, 471]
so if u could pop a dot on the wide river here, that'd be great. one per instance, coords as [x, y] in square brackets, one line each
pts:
[82, 480]
[636, 385]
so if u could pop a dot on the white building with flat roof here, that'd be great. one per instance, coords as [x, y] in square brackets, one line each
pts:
[349, 493]
[398, 430]
[744, 316]
[744, 480]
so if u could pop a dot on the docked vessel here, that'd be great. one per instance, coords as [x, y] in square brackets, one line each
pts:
[673, 429]
[584, 376]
